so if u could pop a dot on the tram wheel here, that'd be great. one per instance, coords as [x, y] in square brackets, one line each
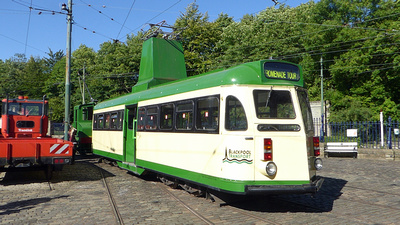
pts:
[171, 183]
[193, 190]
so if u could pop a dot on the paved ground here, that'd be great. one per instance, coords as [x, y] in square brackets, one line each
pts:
[356, 191]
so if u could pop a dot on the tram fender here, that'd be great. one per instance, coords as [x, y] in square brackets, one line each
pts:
[310, 188]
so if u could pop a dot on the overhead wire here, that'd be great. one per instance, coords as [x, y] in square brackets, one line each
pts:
[39, 8]
[93, 31]
[162, 12]
[22, 43]
[27, 31]
[126, 18]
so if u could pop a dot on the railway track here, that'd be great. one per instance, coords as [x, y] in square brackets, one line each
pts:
[194, 212]
[214, 205]
[89, 192]
[111, 199]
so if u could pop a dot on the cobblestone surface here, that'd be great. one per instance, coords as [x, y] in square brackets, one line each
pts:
[356, 191]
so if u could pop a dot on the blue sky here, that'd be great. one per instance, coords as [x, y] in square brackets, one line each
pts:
[34, 32]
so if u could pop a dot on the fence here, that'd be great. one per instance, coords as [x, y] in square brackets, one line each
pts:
[366, 134]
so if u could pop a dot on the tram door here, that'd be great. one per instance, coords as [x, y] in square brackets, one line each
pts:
[130, 134]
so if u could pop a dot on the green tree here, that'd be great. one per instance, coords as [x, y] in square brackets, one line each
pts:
[199, 38]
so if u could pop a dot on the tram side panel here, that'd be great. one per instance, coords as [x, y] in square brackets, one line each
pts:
[223, 160]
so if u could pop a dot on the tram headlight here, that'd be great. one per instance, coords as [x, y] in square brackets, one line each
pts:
[271, 169]
[318, 164]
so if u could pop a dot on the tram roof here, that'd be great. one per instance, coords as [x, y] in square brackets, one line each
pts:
[252, 73]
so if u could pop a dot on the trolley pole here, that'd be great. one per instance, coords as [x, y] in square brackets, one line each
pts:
[322, 102]
[68, 69]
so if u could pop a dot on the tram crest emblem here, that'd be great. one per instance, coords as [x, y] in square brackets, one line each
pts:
[237, 156]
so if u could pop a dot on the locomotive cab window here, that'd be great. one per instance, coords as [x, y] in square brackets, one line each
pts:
[235, 116]
[273, 104]
[87, 113]
[24, 109]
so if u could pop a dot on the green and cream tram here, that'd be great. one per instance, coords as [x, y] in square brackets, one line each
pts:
[243, 130]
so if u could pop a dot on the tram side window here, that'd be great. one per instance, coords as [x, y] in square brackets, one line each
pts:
[114, 121]
[95, 122]
[151, 118]
[100, 121]
[141, 118]
[167, 112]
[120, 120]
[305, 109]
[207, 114]
[184, 116]
[107, 121]
[235, 116]
[271, 104]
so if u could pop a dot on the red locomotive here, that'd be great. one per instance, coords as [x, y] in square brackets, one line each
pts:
[23, 139]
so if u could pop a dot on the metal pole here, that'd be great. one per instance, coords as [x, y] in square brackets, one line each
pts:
[390, 133]
[382, 137]
[68, 71]
[83, 93]
[322, 102]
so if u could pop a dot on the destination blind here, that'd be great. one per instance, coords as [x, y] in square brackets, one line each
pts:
[282, 71]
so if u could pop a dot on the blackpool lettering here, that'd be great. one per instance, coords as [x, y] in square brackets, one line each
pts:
[237, 156]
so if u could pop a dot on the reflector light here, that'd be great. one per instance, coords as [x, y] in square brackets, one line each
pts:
[316, 146]
[58, 161]
[271, 169]
[318, 164]
[267, 149]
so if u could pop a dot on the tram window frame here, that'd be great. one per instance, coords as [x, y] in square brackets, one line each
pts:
[95, 122]
[141, 118]
[275, 105]
[207, 118]
[183, 115]
[107, 121]
[167, 116]
[305, 108]
[120, 120]
[151, 115]
[113, 120]
[100, 121]
[243, 126]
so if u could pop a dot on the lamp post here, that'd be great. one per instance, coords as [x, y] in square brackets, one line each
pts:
[67, 68]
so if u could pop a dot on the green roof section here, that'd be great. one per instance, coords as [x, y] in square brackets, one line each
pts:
[162, 61]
